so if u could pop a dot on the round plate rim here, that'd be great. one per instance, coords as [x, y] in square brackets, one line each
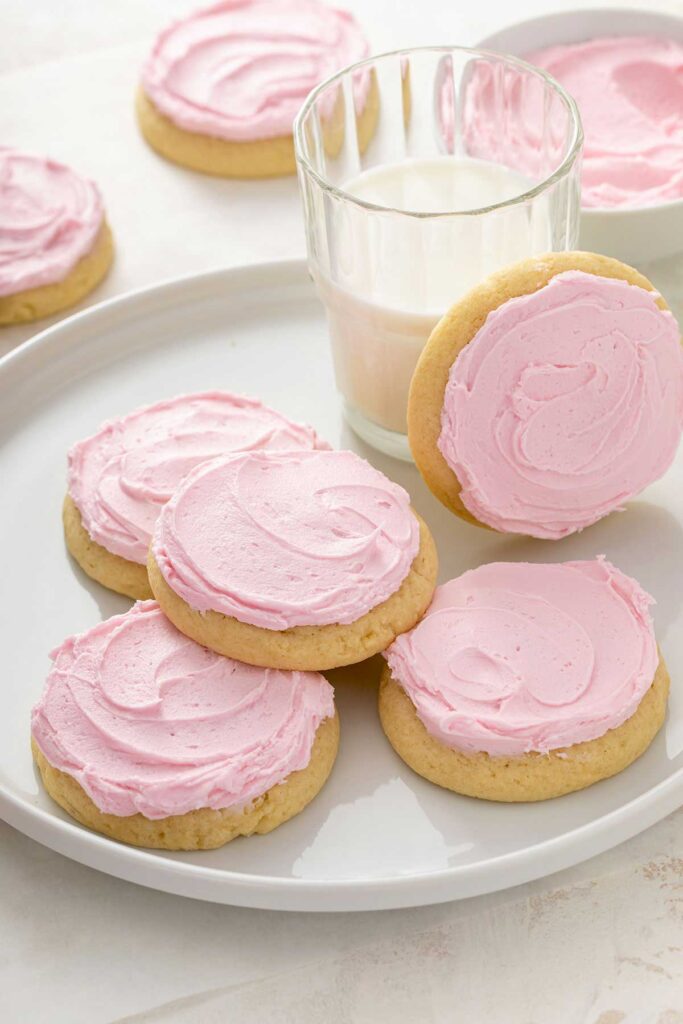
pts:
[153, 870]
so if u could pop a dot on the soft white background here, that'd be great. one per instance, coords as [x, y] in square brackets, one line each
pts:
[599, 944]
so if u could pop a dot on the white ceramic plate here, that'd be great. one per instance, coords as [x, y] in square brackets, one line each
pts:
[377, 836]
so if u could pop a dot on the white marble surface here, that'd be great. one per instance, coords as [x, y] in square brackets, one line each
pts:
[599, 944]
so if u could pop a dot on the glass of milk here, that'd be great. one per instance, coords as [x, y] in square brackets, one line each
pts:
[421, 172]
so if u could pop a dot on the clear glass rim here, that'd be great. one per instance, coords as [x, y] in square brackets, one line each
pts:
[560, 171]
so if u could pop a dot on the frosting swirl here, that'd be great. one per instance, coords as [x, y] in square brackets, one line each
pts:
[240, 70]
[49, 219]
[148, 721]
[513, 657]
[629, 90]
[566, 403]
[280, 539]
[121, 476]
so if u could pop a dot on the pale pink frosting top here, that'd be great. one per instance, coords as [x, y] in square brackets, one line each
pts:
[121, 476]
[148, 721]
[629, 90]
[242, 69]
[280, 539]
[49, 220]
[565, 404]
[513, 657]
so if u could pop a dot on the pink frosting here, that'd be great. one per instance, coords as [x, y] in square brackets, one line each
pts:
[513, 657]
[121, 476]
[280, 539]
[566, 403]
[505, 116]
[241, 70]
[148, 721]
[49, 219]
[630, 94]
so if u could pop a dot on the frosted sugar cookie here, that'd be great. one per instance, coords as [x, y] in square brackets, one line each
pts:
[221, 88]
[147, 737]
[524, 682]
[549, 395]
[120, 477]
[308, 559]
[55, 244]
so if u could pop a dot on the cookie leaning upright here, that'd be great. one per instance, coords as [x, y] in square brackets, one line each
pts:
[55, 243]
[298, 560]
[548, 395]
[152, 740]
[221, 88]
[120, 477]
[523, 682]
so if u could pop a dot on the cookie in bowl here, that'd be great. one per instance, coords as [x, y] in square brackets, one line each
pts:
[524, 682]
[549, 395]
[150, 739]
[307, 560]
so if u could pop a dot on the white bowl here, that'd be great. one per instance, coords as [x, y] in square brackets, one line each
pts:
[635, 235]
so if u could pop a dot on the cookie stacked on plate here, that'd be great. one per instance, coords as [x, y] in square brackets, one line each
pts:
[524, 682]
[203, 715]
[549, 395]
[258, 540]
[543, 400]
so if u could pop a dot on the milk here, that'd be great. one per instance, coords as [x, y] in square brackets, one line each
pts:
[439, 184]
[395, 275]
